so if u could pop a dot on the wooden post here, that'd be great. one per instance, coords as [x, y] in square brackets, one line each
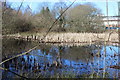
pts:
[27, 38]
[35, 37]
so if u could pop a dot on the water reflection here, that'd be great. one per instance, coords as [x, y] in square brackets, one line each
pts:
[49, 60]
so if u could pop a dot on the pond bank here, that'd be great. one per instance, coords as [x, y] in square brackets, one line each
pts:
[69, 37]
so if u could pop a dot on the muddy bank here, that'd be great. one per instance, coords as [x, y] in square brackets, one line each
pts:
[70, 37]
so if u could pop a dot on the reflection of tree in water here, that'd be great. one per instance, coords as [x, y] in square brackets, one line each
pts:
[51, 59]
[45, 49]
[10, 47]
[54, 51]
[74, 53]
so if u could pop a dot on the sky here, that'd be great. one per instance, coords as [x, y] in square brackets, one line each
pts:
[112, 6]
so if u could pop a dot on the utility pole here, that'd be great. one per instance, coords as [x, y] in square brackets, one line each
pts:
[118, 14]
[107, 12]
[104, 59]
[119, 35]
[118, 20]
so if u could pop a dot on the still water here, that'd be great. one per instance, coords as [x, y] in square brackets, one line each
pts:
[60, 61]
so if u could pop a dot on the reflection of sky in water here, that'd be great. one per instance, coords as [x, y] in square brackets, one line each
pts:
[79, 67]
[110, 59]
[83, 67]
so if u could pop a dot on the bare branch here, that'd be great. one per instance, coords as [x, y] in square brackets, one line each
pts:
[20, 6]
[57, 20]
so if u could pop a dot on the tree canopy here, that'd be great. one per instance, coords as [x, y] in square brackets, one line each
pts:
[84, 18]
[79, 18]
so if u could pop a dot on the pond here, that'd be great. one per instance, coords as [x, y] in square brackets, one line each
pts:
[60, 61]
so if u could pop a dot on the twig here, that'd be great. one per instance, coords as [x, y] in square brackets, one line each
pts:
[18, 55]
[57, 20]
[109, 35]
[37, 45]
[42, 38]
[112, 49]
[20, 6]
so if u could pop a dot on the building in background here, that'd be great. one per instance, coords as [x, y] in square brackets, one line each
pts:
[112, 20]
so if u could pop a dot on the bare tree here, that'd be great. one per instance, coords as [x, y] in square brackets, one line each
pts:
[14, 21]
[58, 9]
[83, 17]
[43, 19]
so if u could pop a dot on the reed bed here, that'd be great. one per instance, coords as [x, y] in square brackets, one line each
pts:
[70, 37]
